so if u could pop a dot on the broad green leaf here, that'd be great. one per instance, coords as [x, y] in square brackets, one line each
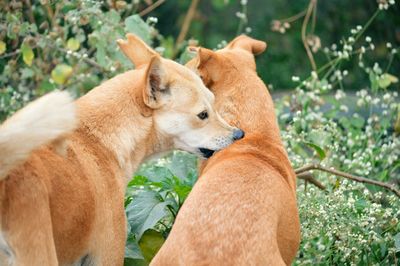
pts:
[132, 249]
[386, 79]
[138, 180]
[357, 122]
[27, 73]
[397, 242]
[318, 149]
[3, 47]
[45, 86]
[61, 73]
[113, 17]
[155, 173]
[181, 164]
[135, 262]
[73, 44]
[136, 25]
[101, 55]
[145, 210]
[150, 243]
[27, 54]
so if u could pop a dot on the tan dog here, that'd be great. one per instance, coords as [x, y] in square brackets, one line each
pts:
[242, 210]
[63, 203]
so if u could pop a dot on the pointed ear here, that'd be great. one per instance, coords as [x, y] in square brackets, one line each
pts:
[156, 89]
[249, 44]
[136, 50]
[205, 64]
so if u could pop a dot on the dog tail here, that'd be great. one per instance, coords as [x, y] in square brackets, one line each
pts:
[39, 123]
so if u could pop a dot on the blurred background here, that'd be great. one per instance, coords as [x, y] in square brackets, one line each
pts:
[218, 20]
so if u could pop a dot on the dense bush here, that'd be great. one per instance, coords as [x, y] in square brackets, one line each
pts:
[345, 114]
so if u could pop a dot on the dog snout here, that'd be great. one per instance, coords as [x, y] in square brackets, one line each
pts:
[238, 134]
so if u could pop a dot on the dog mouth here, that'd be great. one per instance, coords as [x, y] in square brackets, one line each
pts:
[206, 153]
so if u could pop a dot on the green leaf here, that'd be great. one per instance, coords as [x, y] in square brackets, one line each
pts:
[318, 149]
[45, 86]
[357, 121]
[113, 17]
[27, 54]
[155, 173]
[101, 56]
[73, 44]
[27, 73]
[132, 249]
[61, 73]
[397, 242]
[135, 24]
[145, 211]
[386, 79]
[150, 243]
[138, 180]
[3, 47]
[135, 262]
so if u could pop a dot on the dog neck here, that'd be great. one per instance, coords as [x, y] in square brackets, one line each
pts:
[110, 114]
[247, 104]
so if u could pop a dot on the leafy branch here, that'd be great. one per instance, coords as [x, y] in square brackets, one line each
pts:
[303, 173]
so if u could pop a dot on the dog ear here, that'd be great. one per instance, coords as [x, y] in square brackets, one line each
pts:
[249, 44]
[205, 64]
[136, 50]
[156, 88]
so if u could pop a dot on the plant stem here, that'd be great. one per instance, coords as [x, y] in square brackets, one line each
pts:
[186, 24]
[360, 179]
[151, 8]
[308, 177]
[311, 7]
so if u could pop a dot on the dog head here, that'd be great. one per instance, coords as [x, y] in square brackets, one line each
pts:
[180, 104]
[214, 66]
[241, 97]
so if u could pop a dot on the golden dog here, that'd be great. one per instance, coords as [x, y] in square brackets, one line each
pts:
[63, 203]
[242, 210]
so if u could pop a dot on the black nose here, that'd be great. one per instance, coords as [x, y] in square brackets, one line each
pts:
[238, 134]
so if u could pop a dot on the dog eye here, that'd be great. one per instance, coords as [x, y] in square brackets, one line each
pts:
[203, 115]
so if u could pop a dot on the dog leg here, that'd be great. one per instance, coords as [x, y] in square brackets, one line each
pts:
[26, 222]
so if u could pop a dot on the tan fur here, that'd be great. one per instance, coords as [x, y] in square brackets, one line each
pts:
[64, 202]
[242, 210]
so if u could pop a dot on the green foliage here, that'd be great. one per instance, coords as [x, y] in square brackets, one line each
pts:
[154, 197]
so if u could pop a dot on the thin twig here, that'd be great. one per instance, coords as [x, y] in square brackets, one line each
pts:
[314, 18]
[30, 12]
[50, 13]
[311, 6]
[186, 23]
[10, 54]
[294, 17]
[151, 8]
[306, 168]
[87, 60]
[308, 177]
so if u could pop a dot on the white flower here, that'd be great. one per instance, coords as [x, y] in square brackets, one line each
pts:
[295, 78]
[368, 39]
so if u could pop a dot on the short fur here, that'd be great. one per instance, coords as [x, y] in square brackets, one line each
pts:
[67, 208]
[242, 210]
